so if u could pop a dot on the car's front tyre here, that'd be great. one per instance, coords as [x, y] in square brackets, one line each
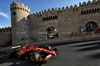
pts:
[34, 57]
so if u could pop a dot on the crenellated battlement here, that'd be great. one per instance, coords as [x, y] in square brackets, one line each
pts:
[6, 29]
[52, 10]
[17, 5]
[89, 3]
[74, 8]
[39, 14]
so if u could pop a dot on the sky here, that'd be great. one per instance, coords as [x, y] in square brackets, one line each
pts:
[34, 5]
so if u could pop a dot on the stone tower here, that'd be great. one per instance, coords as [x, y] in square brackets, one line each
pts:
[98, 2]
[20, 23]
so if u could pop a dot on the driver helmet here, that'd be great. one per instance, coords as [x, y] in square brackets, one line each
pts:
[26, 44]
[46, 45]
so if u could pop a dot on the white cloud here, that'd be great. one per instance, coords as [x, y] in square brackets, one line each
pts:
[5, 15]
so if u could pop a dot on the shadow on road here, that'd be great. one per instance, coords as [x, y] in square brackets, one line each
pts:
[88, 47]
[96, 43]
[95, 56]
[16, 62]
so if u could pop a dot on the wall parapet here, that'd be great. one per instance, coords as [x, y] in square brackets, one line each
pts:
[6, 29]
[56, 10]
[89, 3]
[74, 8]
[17, 5]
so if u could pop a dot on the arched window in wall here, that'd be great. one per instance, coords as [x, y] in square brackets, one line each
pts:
[52, 33]
[82, 12]
[98, 10]
[91, 26]
[89, 11]
[95, 10]
[92, 10]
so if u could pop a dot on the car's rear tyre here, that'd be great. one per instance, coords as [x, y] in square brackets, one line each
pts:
[34, 57]
[8, 54]
[18, 56]
[55, 49]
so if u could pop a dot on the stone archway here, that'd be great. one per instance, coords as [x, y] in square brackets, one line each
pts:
[52, 33]
[91, 26]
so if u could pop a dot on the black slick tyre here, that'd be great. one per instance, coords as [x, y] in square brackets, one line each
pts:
[34, 57]
[8, 55]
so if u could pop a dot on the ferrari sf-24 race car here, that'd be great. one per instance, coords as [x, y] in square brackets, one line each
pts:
[35, 54]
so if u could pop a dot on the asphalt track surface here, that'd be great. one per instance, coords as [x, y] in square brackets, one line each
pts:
[72, 54]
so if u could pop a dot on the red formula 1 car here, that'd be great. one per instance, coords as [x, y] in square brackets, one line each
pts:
[35, 54]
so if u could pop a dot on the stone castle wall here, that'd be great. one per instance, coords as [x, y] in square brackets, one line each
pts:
[28, 27]
[65, 20]
[5, 37]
